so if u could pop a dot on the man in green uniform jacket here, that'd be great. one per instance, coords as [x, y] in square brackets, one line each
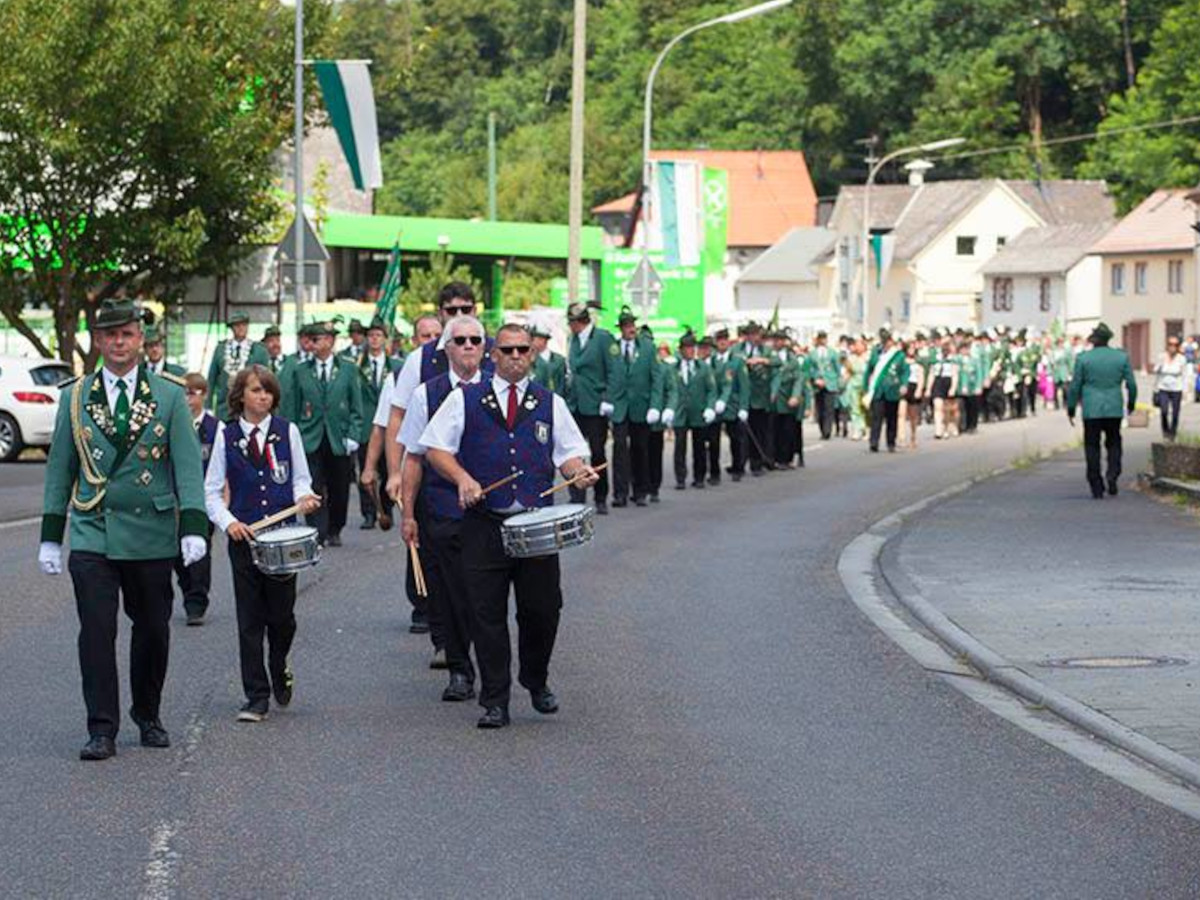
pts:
[156, 354]
[788, 382]
[1099, 374]
[732, 407]
[670, 388]
[825, 369]
[884, 380]
[694, 411]
[549, 368]
[375, 367]
[231, 356]
[125, 467]
[358, 337]
[590, 352]
[759, 368]
[635, 392]
[325, 402]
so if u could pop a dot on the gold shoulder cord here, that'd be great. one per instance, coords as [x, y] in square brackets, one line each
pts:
[87, 465]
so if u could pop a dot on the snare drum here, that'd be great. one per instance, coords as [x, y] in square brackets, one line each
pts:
[285, 551]
[541, 532]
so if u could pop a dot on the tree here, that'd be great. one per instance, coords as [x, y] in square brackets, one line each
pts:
[128, 167]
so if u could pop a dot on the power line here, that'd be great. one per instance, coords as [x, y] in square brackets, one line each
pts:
[1076, 138]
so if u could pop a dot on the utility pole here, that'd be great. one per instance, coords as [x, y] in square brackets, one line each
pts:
[492, 167]
[298, 175]
[575, 217]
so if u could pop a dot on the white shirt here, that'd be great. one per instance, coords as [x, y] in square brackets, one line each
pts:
[685, 369]
[324, 368]
[417, 415]
[409, 378]
[383, 407]
[214, 480]
[379, 368]
[1170, 373]
[243, 348]
[110, 386]
[585, 335]
[445, 429]
[157, 367]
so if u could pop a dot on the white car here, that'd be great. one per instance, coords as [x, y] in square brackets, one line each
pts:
[28, 402]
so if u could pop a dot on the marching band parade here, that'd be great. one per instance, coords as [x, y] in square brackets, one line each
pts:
[458, 443]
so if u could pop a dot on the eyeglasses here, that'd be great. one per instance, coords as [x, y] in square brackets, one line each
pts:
[461, 339]
[465, 310]
[515, 349]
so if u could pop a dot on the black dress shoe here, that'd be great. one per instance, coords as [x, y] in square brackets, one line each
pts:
[420, 624]
[459, 689]
[544, 701]
[680, 486]
[620, 504]
[283, 687]
[367, 525]
[654, 498]
[698, 485]
[195, 619]
[757, 473]
[153, 733]
[493, 717]
[98, 747]
[602, 508]
[736, 476]
[714, 481]
[639, 501]
[1112, 486]
[334, 540]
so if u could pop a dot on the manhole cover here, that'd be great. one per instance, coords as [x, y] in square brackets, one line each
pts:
[1114, 662]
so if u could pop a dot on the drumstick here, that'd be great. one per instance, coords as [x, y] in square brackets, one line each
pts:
[502, 482]
[567, 484]
[277, 517]
[418, 572]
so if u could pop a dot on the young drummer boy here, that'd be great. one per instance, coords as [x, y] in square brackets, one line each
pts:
[260, 457]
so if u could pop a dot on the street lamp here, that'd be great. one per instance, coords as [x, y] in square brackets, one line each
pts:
[866, 222]
[648, 108]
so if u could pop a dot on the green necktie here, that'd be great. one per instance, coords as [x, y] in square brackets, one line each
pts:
[121, 411]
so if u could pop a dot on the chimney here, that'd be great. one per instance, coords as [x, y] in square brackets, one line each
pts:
[916, 171]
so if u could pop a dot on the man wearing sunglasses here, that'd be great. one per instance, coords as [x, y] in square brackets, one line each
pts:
[434, 524]
[481, 434]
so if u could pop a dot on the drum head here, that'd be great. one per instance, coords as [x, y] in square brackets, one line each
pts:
[546, 514]
[286, 533]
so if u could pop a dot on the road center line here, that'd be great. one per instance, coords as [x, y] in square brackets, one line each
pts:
[159, 875]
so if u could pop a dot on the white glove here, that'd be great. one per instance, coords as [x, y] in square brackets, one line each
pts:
[709, 415]
[606, 410]
[652, 416]
[720, 407]
[668, 416]
[743, 415]
[351, 446]
[50, 558]
[192, 548]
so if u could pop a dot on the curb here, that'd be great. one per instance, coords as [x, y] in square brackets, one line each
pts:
[872, 553]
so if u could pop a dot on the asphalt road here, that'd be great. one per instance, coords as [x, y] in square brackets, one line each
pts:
[731, 727]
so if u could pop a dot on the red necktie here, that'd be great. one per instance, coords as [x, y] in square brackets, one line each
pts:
[512, 406]
[255, 451]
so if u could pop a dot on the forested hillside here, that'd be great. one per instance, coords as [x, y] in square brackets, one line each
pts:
[819, 76]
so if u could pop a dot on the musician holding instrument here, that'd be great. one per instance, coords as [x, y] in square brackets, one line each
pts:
[260, 458]
[482, 434]
[125, 466]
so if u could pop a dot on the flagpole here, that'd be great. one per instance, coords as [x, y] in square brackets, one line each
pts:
[299, 165]
[575, 214]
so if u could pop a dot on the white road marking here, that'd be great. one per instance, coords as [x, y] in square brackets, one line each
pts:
[159, 882]
[20, 523]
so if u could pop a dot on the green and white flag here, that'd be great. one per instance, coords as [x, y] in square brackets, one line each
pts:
[389, 290]
[350, 102]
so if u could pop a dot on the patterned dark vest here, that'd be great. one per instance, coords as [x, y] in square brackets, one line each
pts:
[439, 495]
[434, 362]
[256, 492]
[207, 432]
[489, 451]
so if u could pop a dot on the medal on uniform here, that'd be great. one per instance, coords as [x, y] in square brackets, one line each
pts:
[308, 410]
[541, 431]
[159, 429]
[142, 453]
[145, 478]
[156, 452]
[279, 470]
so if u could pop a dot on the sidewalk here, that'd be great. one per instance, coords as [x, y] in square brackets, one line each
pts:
[1095, 599]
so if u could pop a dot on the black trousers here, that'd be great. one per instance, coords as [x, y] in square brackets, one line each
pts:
[448, 591]
[595, 431]
[799, 441]
[488, 574]
[970, 405]
[826, 403]
[783, 437]
[735, 433]
[654, 455]
[424, 607]
[372, 502]
[1110, 429]
[712, 447]
[1031, 395]
[760, 427]
[331, 479]
[631, 460]
[699, 460]
[266, 608]
[195, 581]
[101, 584]
[884, 411]
[1169, 411]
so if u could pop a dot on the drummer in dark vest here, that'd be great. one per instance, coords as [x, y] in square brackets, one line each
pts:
[481, 434]
[260, 458]
[432, 517]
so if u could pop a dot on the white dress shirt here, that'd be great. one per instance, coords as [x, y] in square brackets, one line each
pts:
[157, 367]
[417, 415]
[445, 429]
[324, 368]
[383, 406]
[379, 369]
[585, 335]
[110, 386]
[214, 480]
[409, 378]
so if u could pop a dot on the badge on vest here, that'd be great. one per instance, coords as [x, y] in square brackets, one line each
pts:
[541, 431]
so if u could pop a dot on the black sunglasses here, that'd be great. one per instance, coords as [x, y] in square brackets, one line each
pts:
[455, 310]
[461, 339]
[515, 349]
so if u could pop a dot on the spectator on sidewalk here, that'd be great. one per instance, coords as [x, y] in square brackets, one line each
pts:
[1170, 377]
[1096, 385]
